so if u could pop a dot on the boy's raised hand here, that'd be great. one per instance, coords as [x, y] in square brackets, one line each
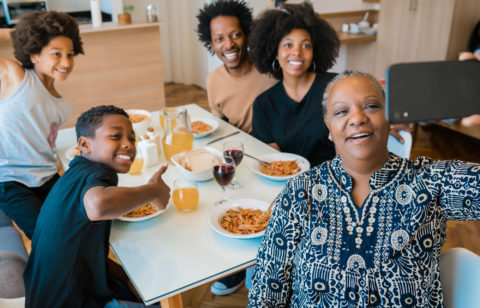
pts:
[163, 190]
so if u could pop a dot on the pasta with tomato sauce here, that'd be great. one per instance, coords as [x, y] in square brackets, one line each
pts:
[245, 221]
[142, 211]
[281, 168]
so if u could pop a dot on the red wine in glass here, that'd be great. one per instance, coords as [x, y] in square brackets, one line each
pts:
[223, 173]
[237, 155]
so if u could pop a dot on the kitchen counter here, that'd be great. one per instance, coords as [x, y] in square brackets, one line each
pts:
[113, 26]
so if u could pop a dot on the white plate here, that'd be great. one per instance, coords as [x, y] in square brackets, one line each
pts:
[220, 210]
[209, 121]
[136, 219]
[302, 162]
[70, 153]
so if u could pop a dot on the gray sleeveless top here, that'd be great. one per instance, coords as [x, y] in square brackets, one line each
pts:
[26, 119]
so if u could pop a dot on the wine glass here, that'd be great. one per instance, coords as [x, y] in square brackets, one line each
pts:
[234, 149]
[223, 173]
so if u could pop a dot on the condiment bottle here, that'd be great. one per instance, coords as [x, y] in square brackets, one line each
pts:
[155, 137]
[148, 149]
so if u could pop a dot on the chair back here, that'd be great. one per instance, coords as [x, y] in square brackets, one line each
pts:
[18, 302]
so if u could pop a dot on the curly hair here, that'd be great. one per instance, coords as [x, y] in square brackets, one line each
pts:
[235, 8]
[474, 41]
[268, 30]
[90, 120]
[341, 76]
[35, 30]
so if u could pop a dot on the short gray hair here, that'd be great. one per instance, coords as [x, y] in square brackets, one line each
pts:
[339, 77]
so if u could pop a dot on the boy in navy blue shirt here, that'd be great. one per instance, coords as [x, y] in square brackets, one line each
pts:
[68, 263]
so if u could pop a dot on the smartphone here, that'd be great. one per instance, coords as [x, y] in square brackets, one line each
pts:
[429, 91]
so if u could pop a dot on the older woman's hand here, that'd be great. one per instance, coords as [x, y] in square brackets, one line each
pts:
[471, 121]
[395, 131]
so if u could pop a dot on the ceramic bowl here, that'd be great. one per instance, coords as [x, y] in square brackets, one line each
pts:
[202, 175]
[140, 120]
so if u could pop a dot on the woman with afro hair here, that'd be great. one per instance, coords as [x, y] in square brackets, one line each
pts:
[295, 46]
[31, 110]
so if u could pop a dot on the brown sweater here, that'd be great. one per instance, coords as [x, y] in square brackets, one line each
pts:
[233, 97]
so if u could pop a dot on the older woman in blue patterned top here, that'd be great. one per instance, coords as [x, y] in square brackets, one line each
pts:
[366, 228]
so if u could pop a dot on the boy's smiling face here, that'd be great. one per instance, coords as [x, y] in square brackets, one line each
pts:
[113, 144]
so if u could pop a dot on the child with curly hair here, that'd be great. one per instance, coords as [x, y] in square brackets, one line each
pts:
[31, 110]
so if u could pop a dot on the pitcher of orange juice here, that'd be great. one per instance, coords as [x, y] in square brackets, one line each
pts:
[177, 136]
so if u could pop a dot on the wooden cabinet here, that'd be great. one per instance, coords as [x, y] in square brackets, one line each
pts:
[423, 30]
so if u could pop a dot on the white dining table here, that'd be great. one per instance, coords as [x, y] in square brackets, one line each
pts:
[177, 251]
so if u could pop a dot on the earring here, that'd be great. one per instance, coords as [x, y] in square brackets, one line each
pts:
[330, 136]
[314, 67]
[275, 67]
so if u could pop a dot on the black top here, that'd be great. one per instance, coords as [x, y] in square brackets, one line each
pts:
[67, 266]
[297, 127]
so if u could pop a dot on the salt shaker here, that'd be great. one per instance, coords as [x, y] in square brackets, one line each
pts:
[148, 149]
[155, 137]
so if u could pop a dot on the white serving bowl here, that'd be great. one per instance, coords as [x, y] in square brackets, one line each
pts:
[140, 127]
[202, 175]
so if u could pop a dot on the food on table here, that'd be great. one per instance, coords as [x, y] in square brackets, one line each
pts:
[199, 127]
[142, 211]
[244, 221]
[198, 160]
[281, 168]
[136, 117]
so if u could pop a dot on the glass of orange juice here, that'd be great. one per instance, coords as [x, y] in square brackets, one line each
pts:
[137, 165]
[185, 194]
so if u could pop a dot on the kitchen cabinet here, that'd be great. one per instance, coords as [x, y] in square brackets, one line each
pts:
[423, 30]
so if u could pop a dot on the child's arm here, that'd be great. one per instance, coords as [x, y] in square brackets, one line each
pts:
[102, 203]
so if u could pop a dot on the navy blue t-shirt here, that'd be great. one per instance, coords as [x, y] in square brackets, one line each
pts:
[297, 127]
[67, 266]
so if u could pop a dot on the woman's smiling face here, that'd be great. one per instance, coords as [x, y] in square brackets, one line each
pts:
[356, 118]
[295, 53]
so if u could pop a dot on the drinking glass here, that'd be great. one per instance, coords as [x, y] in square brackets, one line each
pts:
[137, 165]
[185, 194]
[233, 149]
[223, 173]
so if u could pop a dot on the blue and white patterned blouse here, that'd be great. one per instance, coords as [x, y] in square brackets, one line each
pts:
[321, 250]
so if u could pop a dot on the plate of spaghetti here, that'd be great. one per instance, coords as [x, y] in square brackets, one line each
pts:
[241, 218]
[202, 127]
[142, 213]
[283, 166]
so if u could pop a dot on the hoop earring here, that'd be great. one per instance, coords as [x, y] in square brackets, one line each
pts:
[314, 67]
[277, 67]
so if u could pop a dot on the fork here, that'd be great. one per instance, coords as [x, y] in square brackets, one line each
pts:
[259, 160]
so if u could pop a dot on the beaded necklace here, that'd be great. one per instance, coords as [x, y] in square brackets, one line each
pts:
[348, 203]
